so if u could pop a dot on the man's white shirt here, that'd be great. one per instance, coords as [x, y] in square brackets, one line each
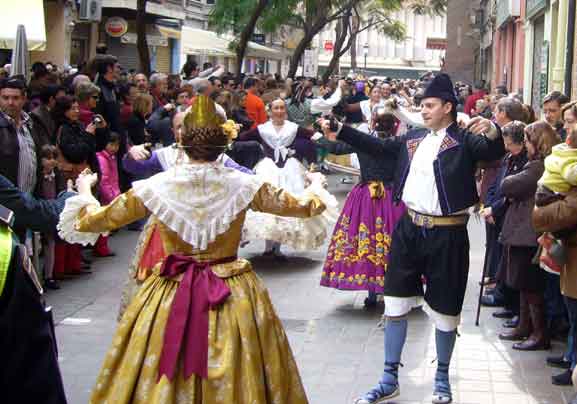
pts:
[420, 193]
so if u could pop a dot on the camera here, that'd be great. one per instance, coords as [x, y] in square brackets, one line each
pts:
[333, 124]
[97, 120]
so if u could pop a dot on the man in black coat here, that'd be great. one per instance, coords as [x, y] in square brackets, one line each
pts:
[29, 371]
[435, 178]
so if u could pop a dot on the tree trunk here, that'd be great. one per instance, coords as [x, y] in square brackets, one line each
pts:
[341, 31]
[141, 43]
[354, 33]
[354, 50]
[312, 28]
[246, 34]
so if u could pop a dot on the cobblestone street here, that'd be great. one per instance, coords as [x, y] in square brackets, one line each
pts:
[337, 343]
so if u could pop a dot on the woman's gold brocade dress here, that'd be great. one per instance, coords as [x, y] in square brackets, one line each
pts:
[249, 358]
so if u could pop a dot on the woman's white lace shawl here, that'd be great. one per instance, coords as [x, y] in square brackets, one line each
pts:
[198, 201]
[278, 141]
[69, 218]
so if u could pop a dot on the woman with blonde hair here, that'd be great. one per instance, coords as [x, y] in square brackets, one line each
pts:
[136, 124]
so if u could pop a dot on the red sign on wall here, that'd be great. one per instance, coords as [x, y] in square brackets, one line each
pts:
[437, 43]
[329, 46]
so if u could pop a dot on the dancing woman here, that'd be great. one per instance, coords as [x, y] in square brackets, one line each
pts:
[358, 253]
[288, 151]
[202, 328]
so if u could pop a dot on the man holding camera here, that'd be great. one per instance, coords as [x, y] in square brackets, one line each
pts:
[435, 178]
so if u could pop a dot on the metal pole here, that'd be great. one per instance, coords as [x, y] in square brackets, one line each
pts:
[365, 62]
[569, 49]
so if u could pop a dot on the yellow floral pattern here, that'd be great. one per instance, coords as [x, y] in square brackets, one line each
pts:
[345, 253]
[249, 358]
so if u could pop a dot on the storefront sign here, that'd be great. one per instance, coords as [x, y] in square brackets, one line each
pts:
[116, 26]
[329, 46]
[533, 7]
[309, 65]
[507, 9]
[436, 43]
[151, 40]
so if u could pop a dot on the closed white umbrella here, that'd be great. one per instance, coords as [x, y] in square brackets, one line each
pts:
[20, 55]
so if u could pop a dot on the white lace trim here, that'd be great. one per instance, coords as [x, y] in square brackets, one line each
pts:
[299, 233]
[69, 218]
[278, 141]
[198, 201]
[168, 156]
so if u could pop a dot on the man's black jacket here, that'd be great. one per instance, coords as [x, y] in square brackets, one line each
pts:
[454, 167]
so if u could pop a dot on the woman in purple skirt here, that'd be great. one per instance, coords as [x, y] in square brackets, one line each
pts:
[358, 253]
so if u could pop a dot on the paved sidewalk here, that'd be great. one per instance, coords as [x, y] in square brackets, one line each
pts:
[336, 341]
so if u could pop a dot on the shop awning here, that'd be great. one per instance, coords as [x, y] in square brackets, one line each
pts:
[168, 32]
[200, 42]
[256, 50]
[29, 13]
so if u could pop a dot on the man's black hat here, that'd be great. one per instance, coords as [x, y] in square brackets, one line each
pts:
[441, 87]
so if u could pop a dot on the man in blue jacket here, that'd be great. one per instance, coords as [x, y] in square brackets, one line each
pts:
[435, 178]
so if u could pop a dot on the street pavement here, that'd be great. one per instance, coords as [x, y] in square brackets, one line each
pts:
[337, 343]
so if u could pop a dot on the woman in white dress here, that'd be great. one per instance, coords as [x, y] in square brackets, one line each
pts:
[368, 106]
[288, 151]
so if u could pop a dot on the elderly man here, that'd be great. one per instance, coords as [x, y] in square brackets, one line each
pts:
[139, 161]
[141, 82]
[205, 87]
[158, 89]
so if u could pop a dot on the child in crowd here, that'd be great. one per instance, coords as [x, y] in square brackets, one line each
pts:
[559, 177]
[49, 158]
[109, 187]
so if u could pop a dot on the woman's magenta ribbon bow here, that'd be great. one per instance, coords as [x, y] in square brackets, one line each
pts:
[187, 326]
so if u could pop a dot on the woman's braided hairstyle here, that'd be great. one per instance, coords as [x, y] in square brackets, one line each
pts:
[204, 144]
[203, 136]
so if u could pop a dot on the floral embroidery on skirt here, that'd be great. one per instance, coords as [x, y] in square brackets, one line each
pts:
[358, 253]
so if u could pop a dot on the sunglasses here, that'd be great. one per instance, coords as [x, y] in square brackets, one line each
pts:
[95, 97]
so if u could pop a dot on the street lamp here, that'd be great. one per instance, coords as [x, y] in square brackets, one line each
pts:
[366, 53]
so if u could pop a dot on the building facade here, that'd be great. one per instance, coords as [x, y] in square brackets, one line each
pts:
[423, 49]
[509, 45]
[463, 40]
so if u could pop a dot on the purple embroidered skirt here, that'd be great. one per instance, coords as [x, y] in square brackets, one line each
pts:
[358, 252]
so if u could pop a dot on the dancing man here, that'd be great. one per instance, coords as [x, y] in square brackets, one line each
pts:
[435, 178]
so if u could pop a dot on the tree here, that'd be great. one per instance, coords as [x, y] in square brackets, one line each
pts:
[317, 14]
[232, 15]
[141, 42]
[342, 29]
[379, 17]
[353, 49]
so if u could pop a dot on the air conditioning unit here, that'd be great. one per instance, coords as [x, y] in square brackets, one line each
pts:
[90, 10]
